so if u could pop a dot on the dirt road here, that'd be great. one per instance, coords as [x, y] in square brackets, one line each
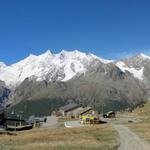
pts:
[129, 140]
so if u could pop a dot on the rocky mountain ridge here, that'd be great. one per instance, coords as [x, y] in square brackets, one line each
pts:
[79, 77]
[64, 66]
[50, 67]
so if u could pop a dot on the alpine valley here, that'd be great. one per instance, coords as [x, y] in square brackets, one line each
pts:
[41, 83]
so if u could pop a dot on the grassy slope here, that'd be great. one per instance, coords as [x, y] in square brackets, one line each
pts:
[142, 127]
[100, 137]
[42, 107]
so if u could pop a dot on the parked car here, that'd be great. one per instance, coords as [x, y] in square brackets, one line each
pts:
[110, 114]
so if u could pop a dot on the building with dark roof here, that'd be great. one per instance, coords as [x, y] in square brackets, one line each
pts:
[71, 110]
[88, 110]
[85, 110]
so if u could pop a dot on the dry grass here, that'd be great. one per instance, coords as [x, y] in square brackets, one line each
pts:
[140, 112]
[142, 129]
[100, 137]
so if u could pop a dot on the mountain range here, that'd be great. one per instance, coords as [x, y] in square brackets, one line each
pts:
[76, 77]
[48, 66]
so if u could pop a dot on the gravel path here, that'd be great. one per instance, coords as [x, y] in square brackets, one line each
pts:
[74, 124]
[51, 122]
[129, 140]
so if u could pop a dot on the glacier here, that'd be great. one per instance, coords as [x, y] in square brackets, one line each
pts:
[47, 66]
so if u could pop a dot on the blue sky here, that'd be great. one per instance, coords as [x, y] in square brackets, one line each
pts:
[111, 29]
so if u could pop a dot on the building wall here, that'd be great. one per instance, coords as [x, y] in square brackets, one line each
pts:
[74, 112]
[62, 112]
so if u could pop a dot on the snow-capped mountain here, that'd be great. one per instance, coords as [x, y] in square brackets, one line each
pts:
[64, 66]
[85, 78]
[135, 65]
[2, 65]
[137, 73]
[50, 67]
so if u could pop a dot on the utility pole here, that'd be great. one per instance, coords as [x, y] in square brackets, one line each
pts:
[20, 119]
[20, 115]
[102, 108]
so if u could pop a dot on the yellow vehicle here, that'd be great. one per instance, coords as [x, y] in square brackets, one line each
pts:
[89, 119]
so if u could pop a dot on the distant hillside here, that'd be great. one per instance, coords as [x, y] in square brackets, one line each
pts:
[42, 107]
[141, 109]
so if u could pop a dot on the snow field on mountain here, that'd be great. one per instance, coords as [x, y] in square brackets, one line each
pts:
[62, 66]
[136, 73]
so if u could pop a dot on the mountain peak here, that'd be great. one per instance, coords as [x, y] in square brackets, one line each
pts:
[76, 51]
[143, 56]
[70, 54]
[48, 52]
[63, 51]
[105, 61]
[2, 65]
[31, 55]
